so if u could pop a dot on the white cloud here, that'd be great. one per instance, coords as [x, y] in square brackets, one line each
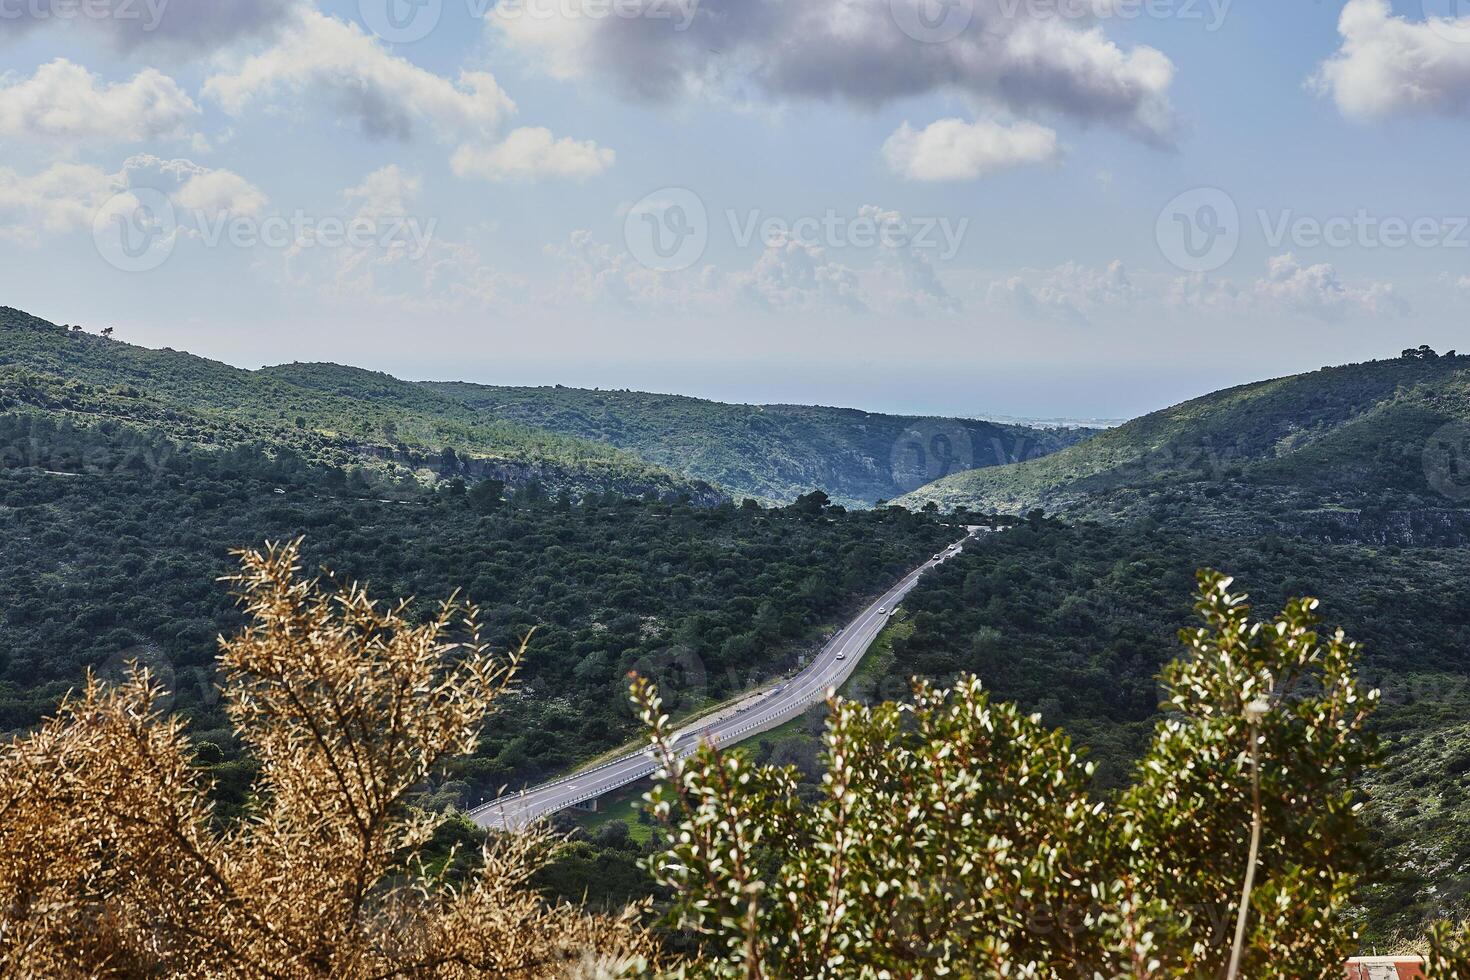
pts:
[532, 153]
[326, 60]
[1202, 292]
[67, 197]
[323, 60]
[852, 50]
[64, 103]
[62, 198]
[792, 276]
[1079, 294]
[1070, 292]
[1319, 291]
[892, 275]
[402, 262]
[594, 271]
[1389, 65]
[215, 191]
[952, 149]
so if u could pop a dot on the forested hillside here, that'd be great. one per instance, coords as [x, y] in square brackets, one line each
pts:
[1075, 622]
[1373, 451]
[113, 541]
[777, 452]
[361, 418]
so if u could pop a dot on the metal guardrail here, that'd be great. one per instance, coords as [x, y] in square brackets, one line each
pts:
[860, 643]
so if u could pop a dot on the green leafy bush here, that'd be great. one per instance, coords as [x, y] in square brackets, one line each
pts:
[957, 836]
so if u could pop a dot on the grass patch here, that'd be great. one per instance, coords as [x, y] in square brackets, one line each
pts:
[623, 804]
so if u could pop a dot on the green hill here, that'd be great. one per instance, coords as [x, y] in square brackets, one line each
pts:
[326, 414]
[1343, 445]
[775, 452]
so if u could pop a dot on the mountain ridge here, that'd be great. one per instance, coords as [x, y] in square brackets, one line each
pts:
[771, 451]
[1380, 435]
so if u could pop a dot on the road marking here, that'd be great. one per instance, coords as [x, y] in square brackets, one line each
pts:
[797, 696]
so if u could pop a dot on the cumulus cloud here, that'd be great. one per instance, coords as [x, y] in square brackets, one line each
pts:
[1318, 291]
[889, 272]
[397, 259]
[62, 198]
[326, 60]
[186, 27]
[532, 153]
[792, 275]
[63, 103]
[1070, 292]
[67, 197]
[852, 50]
[952, 149]
[1079, 294]
[1389, 65]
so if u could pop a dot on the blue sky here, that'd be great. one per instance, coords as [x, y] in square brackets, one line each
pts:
[986, 214]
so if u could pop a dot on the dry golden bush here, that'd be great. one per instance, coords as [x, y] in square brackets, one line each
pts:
[112, 863]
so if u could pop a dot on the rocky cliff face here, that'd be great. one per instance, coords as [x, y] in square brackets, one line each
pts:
[1429, 527]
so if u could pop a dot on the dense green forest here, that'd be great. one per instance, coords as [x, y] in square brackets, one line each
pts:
[1075, 622]
[561, 438]
[114, 541]
[340, 417]
[776, 452]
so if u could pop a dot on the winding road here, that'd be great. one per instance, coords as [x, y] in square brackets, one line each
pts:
[756, 713]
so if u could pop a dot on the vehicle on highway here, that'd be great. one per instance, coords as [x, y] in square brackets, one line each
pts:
[882, 609]
[937, 557]
[842, 656]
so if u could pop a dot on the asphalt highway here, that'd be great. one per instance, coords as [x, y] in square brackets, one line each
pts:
[756, 713]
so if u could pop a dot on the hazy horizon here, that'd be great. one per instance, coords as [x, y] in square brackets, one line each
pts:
[956, 206]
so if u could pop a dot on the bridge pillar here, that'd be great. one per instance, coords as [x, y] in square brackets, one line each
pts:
[586, 806]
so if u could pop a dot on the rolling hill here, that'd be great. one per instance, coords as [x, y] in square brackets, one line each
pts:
[774, 452]
[323, 414]
[559, 438]
[1377, 448]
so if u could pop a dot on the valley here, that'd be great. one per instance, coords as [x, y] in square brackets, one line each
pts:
[718, 550]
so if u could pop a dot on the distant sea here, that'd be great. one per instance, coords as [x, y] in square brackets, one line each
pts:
[1059, 423]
